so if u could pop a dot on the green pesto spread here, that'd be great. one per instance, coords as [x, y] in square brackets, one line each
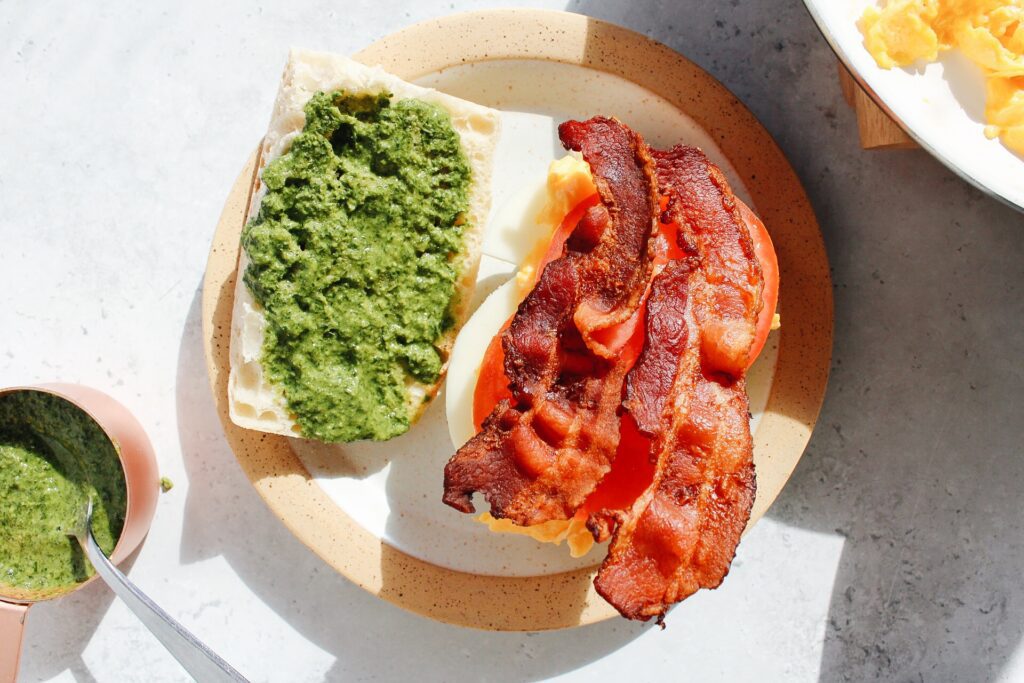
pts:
[351, 258]
[53, 458]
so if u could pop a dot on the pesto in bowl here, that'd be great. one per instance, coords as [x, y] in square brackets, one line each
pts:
[53, 458]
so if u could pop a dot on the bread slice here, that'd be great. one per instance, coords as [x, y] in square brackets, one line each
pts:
[255, 402]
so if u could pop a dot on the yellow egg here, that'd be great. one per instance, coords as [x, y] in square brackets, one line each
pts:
[573, 531]
[1004, 111]
[902, 33]
[989, 32]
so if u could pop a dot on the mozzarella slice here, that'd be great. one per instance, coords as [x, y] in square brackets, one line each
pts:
[516, 225]
[468, 353]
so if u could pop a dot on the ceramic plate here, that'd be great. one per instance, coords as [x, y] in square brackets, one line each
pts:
[372, 511]
[941, 105]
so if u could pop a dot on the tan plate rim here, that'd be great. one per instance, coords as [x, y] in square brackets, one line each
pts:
[567, 599]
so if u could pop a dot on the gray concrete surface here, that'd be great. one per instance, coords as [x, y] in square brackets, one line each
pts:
[893, 553]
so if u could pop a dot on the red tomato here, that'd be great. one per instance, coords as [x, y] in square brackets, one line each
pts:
[770, 269]
[631, 473]
[492, 383]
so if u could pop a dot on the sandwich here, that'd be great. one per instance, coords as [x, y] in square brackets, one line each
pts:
[597, 396]
[608, 401]
[360, 252]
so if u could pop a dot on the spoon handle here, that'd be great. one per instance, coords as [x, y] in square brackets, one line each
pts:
[202, 663]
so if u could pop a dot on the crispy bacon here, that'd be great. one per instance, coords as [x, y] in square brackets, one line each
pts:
[617, 278]
[541, 454]
[681, 533]
[649, 383]
[727, 290]
[687, 392]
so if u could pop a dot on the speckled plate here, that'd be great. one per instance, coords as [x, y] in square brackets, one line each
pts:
[373, 511]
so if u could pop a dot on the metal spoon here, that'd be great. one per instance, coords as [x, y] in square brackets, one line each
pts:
[198, 660]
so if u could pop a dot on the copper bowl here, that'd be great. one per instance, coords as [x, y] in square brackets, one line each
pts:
[142, 483]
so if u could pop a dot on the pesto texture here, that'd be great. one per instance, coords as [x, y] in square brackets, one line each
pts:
[53, 458]
[351, 257]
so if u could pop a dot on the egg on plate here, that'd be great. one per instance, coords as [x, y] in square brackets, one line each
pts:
[989, 32]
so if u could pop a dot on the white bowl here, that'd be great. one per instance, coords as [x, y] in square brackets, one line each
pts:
[940, 105]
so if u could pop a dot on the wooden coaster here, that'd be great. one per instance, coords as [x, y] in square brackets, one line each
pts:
[877, 129]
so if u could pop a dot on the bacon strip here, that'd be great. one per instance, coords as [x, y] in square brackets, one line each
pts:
[728, 291]
[687, 392]
[618, 279]
[649, 383]
[680, 534]
[540, 455]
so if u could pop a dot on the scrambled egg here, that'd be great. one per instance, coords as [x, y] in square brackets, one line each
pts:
[989, 32]
[569, 182]
[574, 531]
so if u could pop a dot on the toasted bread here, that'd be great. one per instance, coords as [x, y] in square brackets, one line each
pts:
[255, 401]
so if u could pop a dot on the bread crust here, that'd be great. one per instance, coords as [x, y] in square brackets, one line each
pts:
[254, 401]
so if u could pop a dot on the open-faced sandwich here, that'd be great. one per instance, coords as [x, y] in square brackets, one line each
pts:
[608, 398]
[360, 253]
[599, 395]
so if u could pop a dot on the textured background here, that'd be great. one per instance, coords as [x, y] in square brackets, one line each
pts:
[893, 553]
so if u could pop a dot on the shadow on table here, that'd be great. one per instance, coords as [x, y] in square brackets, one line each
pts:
[917, 458]
[66, 625]
[325, 608]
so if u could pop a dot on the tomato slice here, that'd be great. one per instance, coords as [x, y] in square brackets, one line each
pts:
[632, 469]
[631, 472]
[561, 234]
[765, 252]
[492, 382]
